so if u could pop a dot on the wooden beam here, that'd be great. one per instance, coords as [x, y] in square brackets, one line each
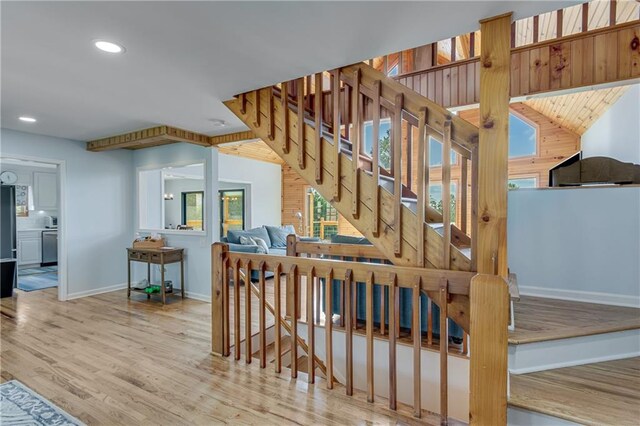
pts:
[232, 137]
[495, 60]
[146, 138]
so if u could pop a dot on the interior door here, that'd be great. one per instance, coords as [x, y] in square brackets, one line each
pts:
[232, 210]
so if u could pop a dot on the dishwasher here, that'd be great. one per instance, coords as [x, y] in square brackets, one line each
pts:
[49, 248]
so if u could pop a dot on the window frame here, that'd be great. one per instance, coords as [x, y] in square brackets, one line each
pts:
[532, 124]
[183, 208]
[534, 176]
[244, 208]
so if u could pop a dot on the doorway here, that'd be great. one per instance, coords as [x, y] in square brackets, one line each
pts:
[34, 189]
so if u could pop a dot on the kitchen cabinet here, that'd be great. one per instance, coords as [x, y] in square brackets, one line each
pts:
[45, 195]
[29, 247]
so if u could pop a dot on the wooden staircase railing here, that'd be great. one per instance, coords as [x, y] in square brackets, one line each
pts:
[320, 134]
[300, 272]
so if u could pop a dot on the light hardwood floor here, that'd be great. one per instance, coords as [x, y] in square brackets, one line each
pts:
[540, 319]
[605, 393]
[107, 360]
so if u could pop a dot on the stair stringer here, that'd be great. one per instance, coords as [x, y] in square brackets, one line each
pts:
[458, 306]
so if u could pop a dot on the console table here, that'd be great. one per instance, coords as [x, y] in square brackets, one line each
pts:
[158, 256]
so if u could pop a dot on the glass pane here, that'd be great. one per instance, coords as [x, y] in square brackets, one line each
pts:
[231, 210]
[435, 198]
[435, 153]
[522, 183]
[393, 71]
[384, 142]
[324, 217]
[522, 138]
[193, 216]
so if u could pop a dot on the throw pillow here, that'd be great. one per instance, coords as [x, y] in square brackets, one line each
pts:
[262, 244]
[250, 241]
[234, 235]
[278, 234]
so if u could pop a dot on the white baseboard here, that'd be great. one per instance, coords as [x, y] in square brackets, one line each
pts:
[96, 291]
[196, 296]
[582, 296]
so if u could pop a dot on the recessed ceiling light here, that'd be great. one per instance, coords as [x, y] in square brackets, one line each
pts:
[27, 119]
[219, 123]
[108, 46]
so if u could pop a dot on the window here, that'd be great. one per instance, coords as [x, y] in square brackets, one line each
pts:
[323, 217]
[384, 142]
[393, 71]
[523, 138]
[435, 198]
[518, 183]
[192, 211]
[231, 210]
[435, 153]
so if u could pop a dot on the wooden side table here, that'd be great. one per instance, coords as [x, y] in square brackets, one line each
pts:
[158, 256]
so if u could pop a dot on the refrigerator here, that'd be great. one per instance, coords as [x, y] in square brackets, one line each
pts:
[8, 249]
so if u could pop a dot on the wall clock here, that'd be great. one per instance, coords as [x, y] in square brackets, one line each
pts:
[8, 178]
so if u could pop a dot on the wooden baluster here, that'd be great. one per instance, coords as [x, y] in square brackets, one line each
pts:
[243, 103]
[349, 333]
[446, 193]
[559, 22]
[536, 28]
[347, 112]
[236, 307]
[612, 12]
[284, 98]
[376, 159]
[342, 300]
[465, 343]
[453, 49]
[335, 88]
[292, 290]
[278, 316]
[397, 173]
[328, 327]
[393, 308]
[247, 313]
[417, 349]
[423, 169]
[474, 209]
[301, 126]
[318, 298]
[385, 65]
[308, 99]
[311, 335]
[513, 34]
[400, 63]
[383, 319]
[444, 349]
[409, 161]
[256, 108]
[354, 305]
[472, 44]
[225, 307]
[271, 120]
[262, 316]
[318, 121]
[369, 325]
[429, 322]
[355, 143]
[464, 178]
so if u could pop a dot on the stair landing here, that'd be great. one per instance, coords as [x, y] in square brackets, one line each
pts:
[605, 393]
[541, 319]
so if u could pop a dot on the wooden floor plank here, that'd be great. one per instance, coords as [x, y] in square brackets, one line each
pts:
[540, 319]
[605, 393]
[109, 360]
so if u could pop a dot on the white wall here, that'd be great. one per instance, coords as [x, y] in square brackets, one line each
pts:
[617, 133]
[197, 247]
[98, 205]
[580, 244]
[265, 180]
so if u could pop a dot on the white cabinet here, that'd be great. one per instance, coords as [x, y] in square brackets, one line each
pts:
[29, 247]
[45, 195]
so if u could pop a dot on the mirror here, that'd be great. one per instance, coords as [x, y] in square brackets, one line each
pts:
[172, 198]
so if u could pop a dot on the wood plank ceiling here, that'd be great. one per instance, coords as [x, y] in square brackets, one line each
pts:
[577, 111]
[256, 150]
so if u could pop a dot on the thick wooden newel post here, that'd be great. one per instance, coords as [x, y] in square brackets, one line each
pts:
[493, 155]
[218, 320]
[489, 293]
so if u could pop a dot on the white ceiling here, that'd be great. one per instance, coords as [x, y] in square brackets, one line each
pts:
[184, 58]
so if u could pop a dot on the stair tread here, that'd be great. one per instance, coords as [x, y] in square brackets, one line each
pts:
[541, 319]
[600, 393]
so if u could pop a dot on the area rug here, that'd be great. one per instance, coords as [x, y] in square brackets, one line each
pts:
[35, 271]
[37, 281]
[19, 405]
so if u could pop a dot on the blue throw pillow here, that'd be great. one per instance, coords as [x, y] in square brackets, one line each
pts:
[233, 235]
[278, 234]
